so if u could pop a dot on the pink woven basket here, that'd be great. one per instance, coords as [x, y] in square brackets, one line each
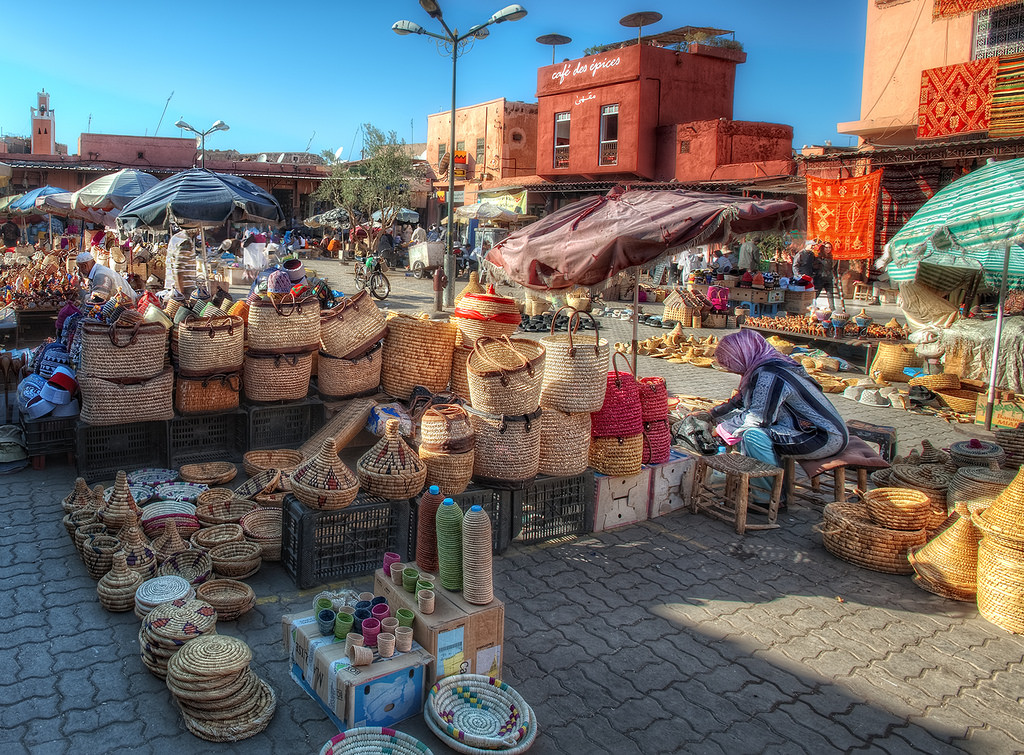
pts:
[620, 414]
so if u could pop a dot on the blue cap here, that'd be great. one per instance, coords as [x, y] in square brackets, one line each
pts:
[447, 502]
[476, 507]
[434, 490]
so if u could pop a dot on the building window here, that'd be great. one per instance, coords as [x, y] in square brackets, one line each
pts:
[479, 151]
[140, 155]
[998, 31]
[561, 140]
[460, 146]
[609, 135]
[684, 147]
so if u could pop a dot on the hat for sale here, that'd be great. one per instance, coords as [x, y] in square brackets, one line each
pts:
[55, 394]
[921, 396]
[872, 397]
[38, 407]
[70, 409]
[64, 377]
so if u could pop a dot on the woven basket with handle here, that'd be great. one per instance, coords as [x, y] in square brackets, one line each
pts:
[352, 326]
[277, 377]
[575, 369]
[505, 375]
[210, 345]
[288, 326]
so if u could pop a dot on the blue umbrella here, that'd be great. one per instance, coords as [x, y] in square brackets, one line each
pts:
[26, 203]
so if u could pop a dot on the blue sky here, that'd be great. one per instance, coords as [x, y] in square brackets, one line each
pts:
[284, 75]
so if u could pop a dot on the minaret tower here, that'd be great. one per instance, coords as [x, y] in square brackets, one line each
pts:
[44, 142]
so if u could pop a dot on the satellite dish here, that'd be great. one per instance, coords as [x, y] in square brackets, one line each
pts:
[639, 20]
[337, 153]
[554, 40]
[262, 158]
[281, 158]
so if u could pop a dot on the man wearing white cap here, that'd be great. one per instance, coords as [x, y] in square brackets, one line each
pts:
[102, 279]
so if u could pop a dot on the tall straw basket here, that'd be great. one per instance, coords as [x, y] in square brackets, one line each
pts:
[417, 351]
[288, 326]
[505, 375]
[210, 345]
[620, 414]
[564, 442]
[352, 326]
[338, 377]
[207, 395]
[459, 382]
[120, 352]
[447, 447]
[891, 359]
[507, 448]
[117, 402]
[575, 369]
[277, 377]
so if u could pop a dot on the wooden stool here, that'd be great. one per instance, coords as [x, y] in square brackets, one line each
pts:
[883, 435]
[858, 456]
[732, 503]
[862, 294]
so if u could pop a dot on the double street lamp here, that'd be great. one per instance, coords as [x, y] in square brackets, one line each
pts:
[217, 126]
[454, 43]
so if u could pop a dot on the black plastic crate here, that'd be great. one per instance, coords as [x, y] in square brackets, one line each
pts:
[498, 505]
[102, 451]
[49, 436]
[208, 437]
[283, 425]
[321, 546]
[551, 507]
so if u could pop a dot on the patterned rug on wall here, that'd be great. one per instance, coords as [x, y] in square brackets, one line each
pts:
[956, 99]
[951, 8]
[903, 191]
[1007, 112]
[843, 212]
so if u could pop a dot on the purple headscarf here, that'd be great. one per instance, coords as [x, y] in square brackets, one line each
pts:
[747, 350]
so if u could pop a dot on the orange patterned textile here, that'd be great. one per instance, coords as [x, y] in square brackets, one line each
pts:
[951, 8]
[843, 211]
[956, 99]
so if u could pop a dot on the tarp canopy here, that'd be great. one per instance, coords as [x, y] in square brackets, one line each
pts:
[26, 203]
[63, 204]
[200, 198]
[589, 241]
[404, 215]
[114, 191]
[486, 211]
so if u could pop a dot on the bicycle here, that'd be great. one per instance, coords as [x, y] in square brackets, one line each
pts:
[370, 275]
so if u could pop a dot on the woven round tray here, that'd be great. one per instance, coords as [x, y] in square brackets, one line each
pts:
[141, 494]
[283, 459]
[211, 656]
[236, 560]
[181, 619]
[152, 476]
[237, 727]
[229, 511]
[262, 482]
[371, 740]
[180, 491]
[230, 597]
[193, 565]
[478, 711]
[209, 473]
[159, 590]
[850, 534]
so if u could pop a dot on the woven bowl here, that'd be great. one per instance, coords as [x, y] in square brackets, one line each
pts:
[193, 565]
[236, 560]
[480, 712]
[898, 508]
[369, 740]
[180, 491]
[261, 482]
[263, 527]
[223, 512]
[283, 459]
[209, 473]
[230, 597]
[209, 537]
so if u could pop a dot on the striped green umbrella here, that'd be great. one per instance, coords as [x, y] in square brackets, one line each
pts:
[977, 221]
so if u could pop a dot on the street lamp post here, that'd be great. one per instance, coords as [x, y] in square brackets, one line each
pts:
[217, 126]
[454, 42]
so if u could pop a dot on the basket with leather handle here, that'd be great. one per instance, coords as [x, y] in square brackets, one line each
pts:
[277, 377]
[288, 326]
[505, 375]
[210, 345]
[207, 395]
[123, 351]
[575, 367]
[351, 327]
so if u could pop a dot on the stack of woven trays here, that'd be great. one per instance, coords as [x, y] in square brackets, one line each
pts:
[263, 527]
[169, 626]
[236, 560]
[948, 564]
[471, 713]
[933, 480]
[209, 473]
[1001, 557]
[975, 453]
[878, 532]
[220, 698]
[153, 592]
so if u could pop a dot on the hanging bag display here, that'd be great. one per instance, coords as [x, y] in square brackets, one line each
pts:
[575, 369]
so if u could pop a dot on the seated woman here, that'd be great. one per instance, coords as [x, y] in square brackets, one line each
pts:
[779, 409]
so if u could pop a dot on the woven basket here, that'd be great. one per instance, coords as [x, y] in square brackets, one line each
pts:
[507, 448]
[579, 299]
[116, 589]
[277, 377]
[505, 375]
[849, 533]
[653, 393]
[416, 352]
[207, 395]
[373, 740]
[287, 327]
[657, 441]
[284, 459]
[940, 382]
[898, 508]
[564, 443]
[98, 554]
[338, 377]
[236, 560]
[970, 483]
[260, 483]
[211, 513]
[962, 402]
[459, 382]
[122, 352]
[949, 561]
[486, 314]
[120, 402]
[192, 564]
[391, 469]
[452, 473]
[263, 527]
[445, 429]
[1005, 517]
[473, 287]
[620, 414]
[1001, 582]
[229, 597]
[676, 309]
[475, 713]
[207, 538]
[575, 368]
[617, 457]
[351, 327]
[974, 452]
[891, 359]
[323, 481]
[210, 345]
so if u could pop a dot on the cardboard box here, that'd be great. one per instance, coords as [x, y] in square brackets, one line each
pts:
[461, 637]
[384, 693]
[1004, 413]
[619, 501]
[797, 302]
[671, 483]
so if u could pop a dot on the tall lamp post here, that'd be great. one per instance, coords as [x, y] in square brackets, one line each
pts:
[217, 126]
[453, 43]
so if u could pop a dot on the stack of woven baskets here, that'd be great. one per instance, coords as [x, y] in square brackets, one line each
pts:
[617, 438]
[211, 351]
[479, 313]
[575, 373]
[1001, 557]
[283, 335]
[447, 447]
[351, 355]
[169, 626]
[877, 532]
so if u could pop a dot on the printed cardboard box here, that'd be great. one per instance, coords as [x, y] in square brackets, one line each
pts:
[671, 483]
[619, 501]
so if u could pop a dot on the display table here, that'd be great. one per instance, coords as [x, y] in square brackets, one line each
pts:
[868, 345]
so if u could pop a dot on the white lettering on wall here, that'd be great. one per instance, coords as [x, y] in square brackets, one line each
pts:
[569, 72]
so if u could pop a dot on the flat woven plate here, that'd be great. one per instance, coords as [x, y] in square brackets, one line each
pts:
[182, 620]
[214, 656]
[140, 493]
[180, 491]
[152, 476]
[159, 590]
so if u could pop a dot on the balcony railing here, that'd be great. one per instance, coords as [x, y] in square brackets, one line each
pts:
[562, 156]
[609, 153]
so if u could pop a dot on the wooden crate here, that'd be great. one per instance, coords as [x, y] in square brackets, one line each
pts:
[619, 501]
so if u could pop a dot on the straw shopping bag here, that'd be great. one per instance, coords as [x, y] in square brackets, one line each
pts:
[120, 351]
[447, 447]
[338, 377]
[575, 369]
[286, 327]
[653, 398]
[352, 326]
[507, 449]
[459, 382]
[620, 414]
[564, 442]
[486, 314]
[505, 375]
[617, 457]
[207, 395]
[210, 345]
[127, 400]
[891, 359]
[416, 352]
[277, 377]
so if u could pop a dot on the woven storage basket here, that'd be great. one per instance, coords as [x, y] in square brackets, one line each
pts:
[416, 352]
[208, 473]
[564, 443]
[931, 479]
[207, 395]
[260, 483]
[284, 459]
[192, 564]
[473, 287]
[391, 469]
[121, 352]
[849, 533]
[211, 513]
[1001, 582]
[344, 378]
[446, 447]
[236, 560]
[970, 483]
[116, 589]
[210, 345]
[579, 299]
[891, 359]
[620, 414]
[1012, 442]
[459, 382]
[323, 481]
[653, 398]
[948, 563]
[575, 368]
[286, 327]
[452, 473]
[963, 402]
[898, 508]
[486, 314]
[351, 327]
[657, 441]
[617, 456]
[208, 537]
[474, 713]
[940, 382]
[120, 402]
[263, 527]
[676, 309]
[974, 452]
[373, 740]
[1005, 517]
[507, 448]
[505, 375]
[98, 554]
[277, 377]
[229, 597]
[715, 320]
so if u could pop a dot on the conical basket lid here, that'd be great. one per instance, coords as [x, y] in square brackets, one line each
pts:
[951, 557]
[392, 456]
[79, 497]
[1005, 517]
[121, 506]
[473, 287]
[325, 470]
[120, 577]
[931, 455]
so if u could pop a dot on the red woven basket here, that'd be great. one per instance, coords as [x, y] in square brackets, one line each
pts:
[657, 442]
[620, 414]
[653, 398]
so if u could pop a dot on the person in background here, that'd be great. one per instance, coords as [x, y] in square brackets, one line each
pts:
[750, 257]
[823, 275]
[432, 234]
[10, 234]
[419, 235]
[102, 280]
[803, 261]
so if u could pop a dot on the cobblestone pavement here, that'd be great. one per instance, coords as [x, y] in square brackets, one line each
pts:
[673, 635]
